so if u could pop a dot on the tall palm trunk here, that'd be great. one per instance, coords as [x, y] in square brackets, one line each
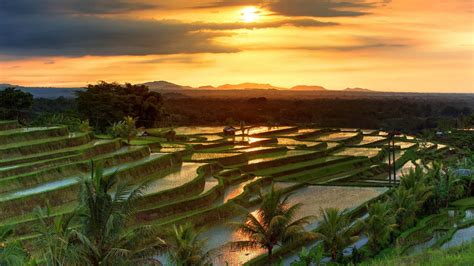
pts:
[334, 253]
[270, 254]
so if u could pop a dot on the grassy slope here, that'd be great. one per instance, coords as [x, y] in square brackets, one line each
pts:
[463, 255]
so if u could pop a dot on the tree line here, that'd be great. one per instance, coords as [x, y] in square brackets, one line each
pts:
[104, 104]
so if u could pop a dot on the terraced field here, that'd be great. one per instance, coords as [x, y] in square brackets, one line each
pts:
[205, 178]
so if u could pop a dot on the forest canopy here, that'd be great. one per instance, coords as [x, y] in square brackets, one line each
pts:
[106, 103]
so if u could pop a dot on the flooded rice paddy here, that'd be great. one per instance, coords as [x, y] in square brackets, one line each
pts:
[180, 176]
[367, 152]
[171, 174]
[313, 199]
[339, 136]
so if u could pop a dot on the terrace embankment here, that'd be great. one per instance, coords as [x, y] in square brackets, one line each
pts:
[204, 177]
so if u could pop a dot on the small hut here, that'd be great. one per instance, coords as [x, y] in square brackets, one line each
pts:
[229, 131]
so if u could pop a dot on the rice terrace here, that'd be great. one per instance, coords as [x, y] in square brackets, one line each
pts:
[236, 132]
[203, 176]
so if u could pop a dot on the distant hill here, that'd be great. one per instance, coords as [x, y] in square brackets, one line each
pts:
[165, 85]
[168, 87]
[207, 87]
[308, 88]
[6, 85]
[248, 86]
[45, 92]
[358, 90]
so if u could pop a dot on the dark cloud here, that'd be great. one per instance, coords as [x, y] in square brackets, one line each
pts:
[174, 59]
[261, 25]
[89, 35]
[75, 28]
[225, 3]
[320, 8]
[308, 8]
[354, 43]
[354, 47]
[61, 7]
[61, 35]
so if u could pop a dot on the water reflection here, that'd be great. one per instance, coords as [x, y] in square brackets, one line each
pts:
[313, 199]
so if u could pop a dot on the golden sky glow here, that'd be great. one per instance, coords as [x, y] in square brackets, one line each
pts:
[404, 45]
[250, 14]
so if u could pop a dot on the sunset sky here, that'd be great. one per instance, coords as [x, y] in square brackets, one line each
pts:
[398, 45]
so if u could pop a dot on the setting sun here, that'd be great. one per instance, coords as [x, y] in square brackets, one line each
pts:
[250, 14]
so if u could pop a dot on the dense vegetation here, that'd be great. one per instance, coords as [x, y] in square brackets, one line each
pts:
[106, 103]
[15, 104]
[410, 115]
[462, 255]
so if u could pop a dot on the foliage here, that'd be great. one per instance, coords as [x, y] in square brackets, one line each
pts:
[410, 115]
[462, 255]
[379, 225]
[124, 129]
[85, 126]
[97, 232]
[73, 123]
[11, 253]
[185, 248]
[14, 103]
[404, 206]
[313, 256]
[447, 187]
[107, 103]
[105, 219]
[274, 224]
[417, 183]
[59, 243]
[335, 232]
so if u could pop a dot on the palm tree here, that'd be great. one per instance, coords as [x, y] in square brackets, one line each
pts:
[59, 242]
[105, 218]
[404, 205]
[11, 253]
[98, 230]
[185, 248]
[446, 185]
[335, 231]
[275, 224]
[125, 128]
[131, 129]
[418, 184]
[313, 256]
[379, 225]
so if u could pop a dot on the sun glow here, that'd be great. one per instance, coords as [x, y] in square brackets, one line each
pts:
[250, 14]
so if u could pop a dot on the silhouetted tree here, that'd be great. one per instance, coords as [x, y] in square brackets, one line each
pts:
[105, 103]
[15, 104]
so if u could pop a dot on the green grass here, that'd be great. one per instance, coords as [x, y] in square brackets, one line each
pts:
[46, 174]
[467, 202]
[26, 131]
[319, 173]
[18, 149]
[283, 168]
[8, 124]
[146, 140]
[462, 255]
[40, 141]
[74, 150]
